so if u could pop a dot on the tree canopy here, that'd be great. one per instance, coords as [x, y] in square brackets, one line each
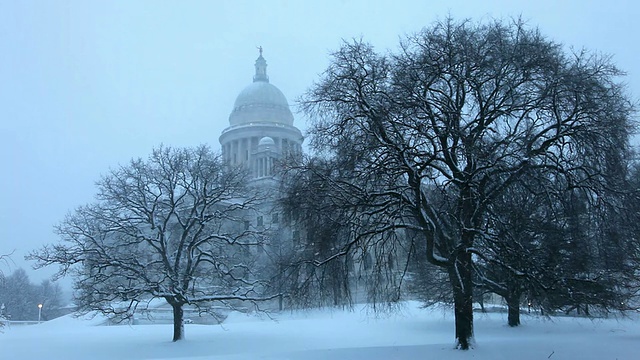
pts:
[438, 131]
[168, 227]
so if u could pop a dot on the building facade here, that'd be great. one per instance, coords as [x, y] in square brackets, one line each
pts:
[261, 129]
[261, 132]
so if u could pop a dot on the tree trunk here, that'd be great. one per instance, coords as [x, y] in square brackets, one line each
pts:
[481, 302]
[461, 281]
[513, 302]
[178, 324]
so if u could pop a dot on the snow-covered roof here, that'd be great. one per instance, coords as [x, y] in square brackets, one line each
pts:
[261, 101]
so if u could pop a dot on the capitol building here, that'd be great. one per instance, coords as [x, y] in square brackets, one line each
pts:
[260, 134]
[261, 129]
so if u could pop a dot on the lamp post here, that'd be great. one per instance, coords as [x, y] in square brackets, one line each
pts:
[39, 312]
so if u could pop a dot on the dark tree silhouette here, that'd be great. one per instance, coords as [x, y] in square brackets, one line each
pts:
[465, 111]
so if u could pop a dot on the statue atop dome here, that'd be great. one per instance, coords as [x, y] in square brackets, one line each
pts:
[261, 68]
[261, 101]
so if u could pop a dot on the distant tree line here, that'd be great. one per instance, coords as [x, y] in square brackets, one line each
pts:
[19, 298]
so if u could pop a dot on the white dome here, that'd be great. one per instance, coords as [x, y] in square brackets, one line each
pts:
[266, 141]
[261, 102]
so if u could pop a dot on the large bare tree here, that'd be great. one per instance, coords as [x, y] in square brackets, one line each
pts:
[462, 111]
[169, 227]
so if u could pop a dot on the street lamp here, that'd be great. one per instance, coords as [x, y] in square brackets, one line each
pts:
[39, 312]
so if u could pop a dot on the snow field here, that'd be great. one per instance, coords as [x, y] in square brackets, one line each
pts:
[412, 333]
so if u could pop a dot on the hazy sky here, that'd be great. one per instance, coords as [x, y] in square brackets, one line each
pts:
[87, 85]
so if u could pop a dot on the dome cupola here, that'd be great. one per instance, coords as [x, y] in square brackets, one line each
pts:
[261, 68]
[261, 127]
[261, 102]
[266, 142]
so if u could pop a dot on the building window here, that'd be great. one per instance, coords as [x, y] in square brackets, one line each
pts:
[247, 224]
[295, 235]
[274, 218]
[260, 221]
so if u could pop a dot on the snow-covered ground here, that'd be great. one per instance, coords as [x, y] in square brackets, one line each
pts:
[413, 333]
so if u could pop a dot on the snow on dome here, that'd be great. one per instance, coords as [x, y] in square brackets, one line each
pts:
[266, 141]
[261, 101]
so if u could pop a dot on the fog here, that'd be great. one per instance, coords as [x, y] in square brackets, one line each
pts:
[85, 86]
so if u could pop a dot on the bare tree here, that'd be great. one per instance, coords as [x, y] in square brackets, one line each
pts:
[170, 227]
[4, 260]
[344, 246]
[465, 111]
[311, 213]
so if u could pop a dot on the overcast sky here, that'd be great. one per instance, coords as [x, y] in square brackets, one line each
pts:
[87, 85]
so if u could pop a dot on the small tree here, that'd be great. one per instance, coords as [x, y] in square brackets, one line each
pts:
[170, 227]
